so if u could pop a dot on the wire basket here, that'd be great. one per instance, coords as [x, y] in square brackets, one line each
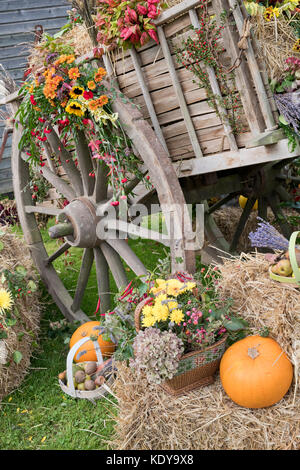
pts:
[295, 278]
[108, 372]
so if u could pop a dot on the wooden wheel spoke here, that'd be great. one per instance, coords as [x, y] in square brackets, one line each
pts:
[43, 210]
[141, 232]
[61, 250]
[130, 258]
[85, 162]
[84, 274]
[61, 186]
[115, 265]
[102, 272]
[67, 162]
[101, 183]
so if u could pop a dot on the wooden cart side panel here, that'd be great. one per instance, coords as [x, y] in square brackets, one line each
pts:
[188, 126]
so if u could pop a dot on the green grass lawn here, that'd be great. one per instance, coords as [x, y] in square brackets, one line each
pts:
[38, 415]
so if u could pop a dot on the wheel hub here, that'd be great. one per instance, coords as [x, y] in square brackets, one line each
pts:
[81, 213]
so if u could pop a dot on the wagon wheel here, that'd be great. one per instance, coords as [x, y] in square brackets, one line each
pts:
[88, 198]
[264, 185]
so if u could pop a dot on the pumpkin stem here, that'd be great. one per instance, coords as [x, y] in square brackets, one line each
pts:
[253, 353]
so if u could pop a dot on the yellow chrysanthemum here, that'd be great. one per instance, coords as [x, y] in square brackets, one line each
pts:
[177, 316]
[160, 285]
[148, 321]
[172, 304]
[161, 313]
[174, 287]
[5, 300]
[147, 311]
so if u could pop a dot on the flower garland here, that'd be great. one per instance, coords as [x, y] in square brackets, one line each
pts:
[72, 97]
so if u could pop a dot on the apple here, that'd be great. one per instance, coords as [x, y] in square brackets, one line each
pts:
[282, 268]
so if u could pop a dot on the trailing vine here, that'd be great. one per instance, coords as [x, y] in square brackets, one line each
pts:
[202, 50]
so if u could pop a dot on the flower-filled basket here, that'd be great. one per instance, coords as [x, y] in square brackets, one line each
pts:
[181, 335]
[287, 270]
[98, 376]
[195, 369]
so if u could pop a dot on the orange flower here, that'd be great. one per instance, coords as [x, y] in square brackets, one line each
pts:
[93, 105]
[103, 100]
[70, 59]
[101, 72]
[91, 85]
[99, 102]
[74, 73]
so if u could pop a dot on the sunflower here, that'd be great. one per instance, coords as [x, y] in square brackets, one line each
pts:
[296, 46]
[76, 91]
[5, 300]
[75, 108]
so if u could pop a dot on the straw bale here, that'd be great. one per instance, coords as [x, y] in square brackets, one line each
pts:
[78, 38]
[22, 335]
[207, 419]
[275, 40]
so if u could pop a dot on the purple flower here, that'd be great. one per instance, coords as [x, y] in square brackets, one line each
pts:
[267, 236]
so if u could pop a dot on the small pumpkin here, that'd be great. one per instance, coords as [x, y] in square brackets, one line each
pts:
[90, 329]
[255, 372]
[243, 201]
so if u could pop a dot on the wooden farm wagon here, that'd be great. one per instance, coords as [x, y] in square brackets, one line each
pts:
[190, 154]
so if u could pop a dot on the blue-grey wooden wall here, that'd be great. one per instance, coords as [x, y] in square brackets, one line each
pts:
[18, 19]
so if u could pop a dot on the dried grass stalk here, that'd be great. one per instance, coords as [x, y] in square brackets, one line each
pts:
[20, 336]
[207, 418]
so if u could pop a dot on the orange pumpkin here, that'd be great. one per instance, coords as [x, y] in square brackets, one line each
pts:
[255, 372]
[87, 329]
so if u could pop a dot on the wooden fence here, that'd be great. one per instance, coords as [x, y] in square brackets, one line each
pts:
[18, 19]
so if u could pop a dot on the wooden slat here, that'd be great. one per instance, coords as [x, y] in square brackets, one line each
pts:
[36, 15]
[216, 90]
[242, 158]
[179, 92]
[254, 69]
[175, 11]
[28, 26]
[242, 73]
[13, 5]
[147, 97]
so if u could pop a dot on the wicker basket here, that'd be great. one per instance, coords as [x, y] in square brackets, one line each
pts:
[196, 368]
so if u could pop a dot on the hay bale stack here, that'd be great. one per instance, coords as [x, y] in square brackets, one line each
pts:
[207, 418]
[20, 336]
